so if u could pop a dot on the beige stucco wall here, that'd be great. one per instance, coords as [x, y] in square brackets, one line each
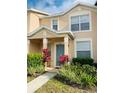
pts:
[35, 46]
[71, 49]
[46, 22]
[33, 20]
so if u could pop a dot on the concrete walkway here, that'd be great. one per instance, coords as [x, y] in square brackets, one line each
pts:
[39, 81]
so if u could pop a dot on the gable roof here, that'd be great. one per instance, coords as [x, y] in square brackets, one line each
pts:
[38, 29]
[52, 30]
[37, 11]
[70, 8]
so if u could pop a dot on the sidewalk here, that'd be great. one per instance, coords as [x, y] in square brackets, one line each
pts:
[39, 81]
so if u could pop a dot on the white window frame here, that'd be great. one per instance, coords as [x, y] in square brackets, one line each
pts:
[57, 23]
[83, 39]
[78, 14]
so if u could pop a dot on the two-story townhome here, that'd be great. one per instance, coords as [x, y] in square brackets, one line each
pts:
[72, 32]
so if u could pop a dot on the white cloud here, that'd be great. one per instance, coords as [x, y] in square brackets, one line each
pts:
[52, 8]
[66, 4]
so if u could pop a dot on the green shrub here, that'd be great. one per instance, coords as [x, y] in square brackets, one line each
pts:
[31, 71]
[91, 70]
[84, 75]
[82, 61]
[87, 80]
[40, 69]
[34, 59]
[35, 64]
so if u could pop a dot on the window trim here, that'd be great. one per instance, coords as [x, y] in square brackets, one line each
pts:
[83, 39]
[83, 13]
[57, 23]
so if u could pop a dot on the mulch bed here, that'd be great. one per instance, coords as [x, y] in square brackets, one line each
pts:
[37, 74]
[73, 84]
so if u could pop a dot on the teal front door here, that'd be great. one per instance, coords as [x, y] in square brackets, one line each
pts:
[59, 51]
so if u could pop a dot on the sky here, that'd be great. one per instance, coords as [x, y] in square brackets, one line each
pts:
[53, 6]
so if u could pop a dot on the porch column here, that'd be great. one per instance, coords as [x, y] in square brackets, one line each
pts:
[28, 46]
[45, 43]
[66, 45]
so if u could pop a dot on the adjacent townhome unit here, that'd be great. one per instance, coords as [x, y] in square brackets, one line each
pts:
[72, 32]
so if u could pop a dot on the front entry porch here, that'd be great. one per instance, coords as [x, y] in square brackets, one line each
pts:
[57, 44]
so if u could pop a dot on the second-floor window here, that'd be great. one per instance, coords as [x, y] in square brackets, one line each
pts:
[80, 23]
[55, 24]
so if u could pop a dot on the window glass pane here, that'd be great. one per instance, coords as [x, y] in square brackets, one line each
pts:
[84, 26]
[83, 49]
[75, 27]
[83, 45]
[75, 23]
[75, 20]
[84, 22]
[83, 54]
[55, 27]
[84, 19]
[54, 22]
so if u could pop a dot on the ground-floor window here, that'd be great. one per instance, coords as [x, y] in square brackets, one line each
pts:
[83, 48]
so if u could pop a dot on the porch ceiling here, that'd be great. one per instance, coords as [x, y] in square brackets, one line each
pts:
[49, 33]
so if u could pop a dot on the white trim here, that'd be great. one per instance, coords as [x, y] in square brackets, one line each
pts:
[39, 28]
[38, 11]
[57, 23]
[57, 32]
[78, 14]
[66, 32]
[55, 52]
[90, 18]
[28, 46]
[84, 31]
[83, 39]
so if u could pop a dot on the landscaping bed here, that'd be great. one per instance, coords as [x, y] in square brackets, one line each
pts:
[85, 75]
[30, 78]
[72, 79]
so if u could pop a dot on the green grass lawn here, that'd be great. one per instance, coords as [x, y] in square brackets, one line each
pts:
[55, 86]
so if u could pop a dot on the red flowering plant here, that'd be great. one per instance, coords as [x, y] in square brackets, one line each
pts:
[63, 59]
[46, 56]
